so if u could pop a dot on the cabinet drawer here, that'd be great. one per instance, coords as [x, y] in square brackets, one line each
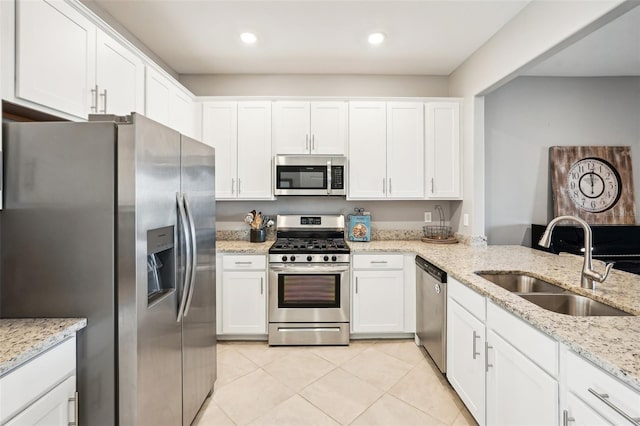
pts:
[244, 262]
[583, 375]
[27, 383]
[537, 346]
[469, 299]
[378, 261]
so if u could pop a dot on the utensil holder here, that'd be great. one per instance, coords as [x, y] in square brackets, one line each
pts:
[257, 235]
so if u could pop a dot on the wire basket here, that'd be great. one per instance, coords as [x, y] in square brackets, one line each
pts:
[436, 232]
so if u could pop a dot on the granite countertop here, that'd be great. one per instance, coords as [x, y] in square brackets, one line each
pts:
[243, 247]
[613, 343]
[24, 338]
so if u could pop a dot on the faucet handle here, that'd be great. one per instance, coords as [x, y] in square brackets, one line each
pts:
[597, 276]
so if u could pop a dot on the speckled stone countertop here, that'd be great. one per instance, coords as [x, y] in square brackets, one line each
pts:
[613, 343]
[22, 339]
[243, 247]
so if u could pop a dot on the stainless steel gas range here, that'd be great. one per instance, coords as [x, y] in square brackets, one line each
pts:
[309, 281]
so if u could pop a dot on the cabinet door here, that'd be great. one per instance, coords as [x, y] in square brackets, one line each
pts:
[55, 56]
[405, 150]
[378, 301]
[577, 413]
[56, 407]
[465, 357]
[119, 76]
[157, 96]
[328, 128]
[367, 150]
[518, 391]
[291, 122]
[254, 150]
[181, 111]
[443, 149]
[244, 302]
[219, 129]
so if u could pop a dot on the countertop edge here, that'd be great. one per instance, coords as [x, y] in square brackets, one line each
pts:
[52, 331]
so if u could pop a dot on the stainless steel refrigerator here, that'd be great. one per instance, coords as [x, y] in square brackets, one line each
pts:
[115, 221]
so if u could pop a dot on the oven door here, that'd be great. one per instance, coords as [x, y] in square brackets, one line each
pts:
[308, 293]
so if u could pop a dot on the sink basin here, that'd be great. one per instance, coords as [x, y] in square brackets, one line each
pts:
[520, 283]
[572, 304]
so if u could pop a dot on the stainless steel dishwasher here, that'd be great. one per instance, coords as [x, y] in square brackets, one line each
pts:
[431, 311]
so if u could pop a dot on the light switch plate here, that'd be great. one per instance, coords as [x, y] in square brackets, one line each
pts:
[427, 217]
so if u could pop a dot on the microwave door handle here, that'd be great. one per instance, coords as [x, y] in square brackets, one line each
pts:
[329, 177]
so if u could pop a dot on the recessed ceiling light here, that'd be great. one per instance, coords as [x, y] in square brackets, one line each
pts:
[248, 38]
[376, 38]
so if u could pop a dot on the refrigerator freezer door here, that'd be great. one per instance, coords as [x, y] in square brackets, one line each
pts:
[150, 383]
[198, 326]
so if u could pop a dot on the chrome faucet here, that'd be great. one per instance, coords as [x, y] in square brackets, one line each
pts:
[588, 276]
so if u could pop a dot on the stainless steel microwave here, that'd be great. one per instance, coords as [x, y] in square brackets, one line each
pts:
[310, 175]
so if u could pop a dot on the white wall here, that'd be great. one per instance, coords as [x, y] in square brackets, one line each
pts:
[315, 85]
[538, 31]
[530, 114]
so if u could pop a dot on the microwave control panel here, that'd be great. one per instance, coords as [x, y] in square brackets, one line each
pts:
[337, 177]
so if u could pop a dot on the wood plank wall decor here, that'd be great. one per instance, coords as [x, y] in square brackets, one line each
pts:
[594, 183]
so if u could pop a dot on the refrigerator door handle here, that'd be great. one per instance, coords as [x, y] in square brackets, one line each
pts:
[187, 244]
[194, 251]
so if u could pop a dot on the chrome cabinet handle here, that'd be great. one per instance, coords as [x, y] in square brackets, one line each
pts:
[187, 244]
[486, 356]
[243, 263]
[475, 336]
[233, 181]
[94, 99]
[356, 285]
[75, 401]
[378, 261]
[432, 186]
[306, 142]
[103, 95]
[261, 285]
[566, 418]
[389, 186]
[384, 186]
[194, 252]
[313, 142]
[604, 397]
[238, 186]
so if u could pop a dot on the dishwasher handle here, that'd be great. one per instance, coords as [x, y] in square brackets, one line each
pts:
[437, 273]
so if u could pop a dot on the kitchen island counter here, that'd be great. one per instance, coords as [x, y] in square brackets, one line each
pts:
[613, 343]
[24, 338]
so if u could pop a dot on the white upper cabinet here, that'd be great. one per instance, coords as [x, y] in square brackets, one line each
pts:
[55, 56]
[309, 127]
[119, 76]
[442, 146]
[405, 150]
[241, 134]
[367, 150]
[386, 150]
[64, 62]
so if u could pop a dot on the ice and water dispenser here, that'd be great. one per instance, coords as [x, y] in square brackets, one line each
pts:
[160, 263]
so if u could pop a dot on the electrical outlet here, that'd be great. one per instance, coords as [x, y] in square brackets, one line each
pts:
[465, 219]
[427, 217]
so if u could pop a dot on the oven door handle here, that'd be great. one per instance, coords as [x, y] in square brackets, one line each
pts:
[303, 269]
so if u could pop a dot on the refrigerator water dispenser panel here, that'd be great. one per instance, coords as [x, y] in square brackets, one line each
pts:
[161, 278]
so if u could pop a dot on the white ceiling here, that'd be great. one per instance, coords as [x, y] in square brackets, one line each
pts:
[424, 37]
[612, 50]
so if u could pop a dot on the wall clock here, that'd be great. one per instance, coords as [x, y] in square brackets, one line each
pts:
[593, 182]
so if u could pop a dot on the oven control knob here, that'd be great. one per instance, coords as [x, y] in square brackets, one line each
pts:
[309, 258]
[284, 258]
[326, 258]
[333, 258]
[293, 258]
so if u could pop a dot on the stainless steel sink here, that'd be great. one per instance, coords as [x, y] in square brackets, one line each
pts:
[572, 304]
[549, 296]
[518, 282]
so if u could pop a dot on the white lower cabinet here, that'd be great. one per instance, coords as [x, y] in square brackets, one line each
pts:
[242, 298]
[378, 294]
[466, 356]
[43, 390]
[577, 413]
[518, 391]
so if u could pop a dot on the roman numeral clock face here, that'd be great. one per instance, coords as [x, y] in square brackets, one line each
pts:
[593, 185]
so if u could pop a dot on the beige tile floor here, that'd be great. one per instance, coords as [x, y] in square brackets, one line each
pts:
[387, 382]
